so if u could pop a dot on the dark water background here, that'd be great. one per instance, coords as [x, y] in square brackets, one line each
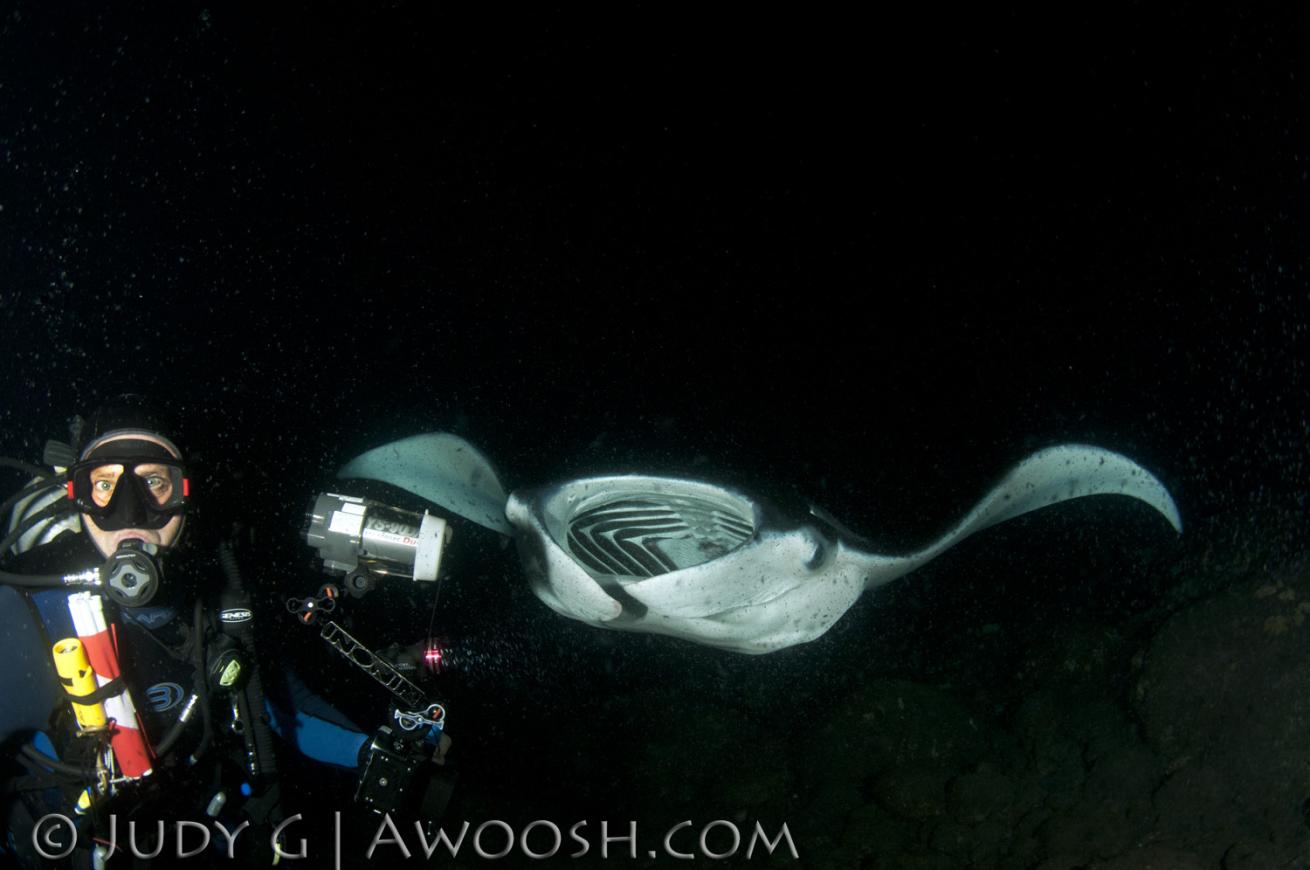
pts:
[872, 260]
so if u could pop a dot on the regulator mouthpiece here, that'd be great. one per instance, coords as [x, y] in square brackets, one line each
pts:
[130, 576]
[354, 533]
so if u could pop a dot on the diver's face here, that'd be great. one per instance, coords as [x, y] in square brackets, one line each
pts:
[103, 482]
[158, 481]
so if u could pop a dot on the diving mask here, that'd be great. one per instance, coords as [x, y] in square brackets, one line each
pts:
[131, 484]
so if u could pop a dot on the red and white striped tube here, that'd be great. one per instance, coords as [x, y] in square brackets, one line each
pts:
[100, 639]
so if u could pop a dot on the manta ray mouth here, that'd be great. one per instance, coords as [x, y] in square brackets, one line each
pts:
[644, 527]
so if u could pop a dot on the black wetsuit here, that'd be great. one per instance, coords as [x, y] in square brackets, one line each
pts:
[157, 652]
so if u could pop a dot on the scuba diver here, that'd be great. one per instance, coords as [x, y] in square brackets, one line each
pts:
[128, 692]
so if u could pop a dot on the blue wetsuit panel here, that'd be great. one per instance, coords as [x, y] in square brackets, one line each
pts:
[315, 728]
[29, 686]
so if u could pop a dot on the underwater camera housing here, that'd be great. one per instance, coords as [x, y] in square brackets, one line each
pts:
[390, 766]
[398, 775]
[365, 540]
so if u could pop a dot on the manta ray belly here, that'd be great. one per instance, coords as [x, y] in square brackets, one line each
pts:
[681, 558]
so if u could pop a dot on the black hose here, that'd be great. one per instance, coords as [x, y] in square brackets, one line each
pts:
[38, 580]
[9, 578]
[198, 693]
[250, 700]
[34, 470]
[202, 683]
[165, 745]
[26, 525]
[33, 489]
[82, 773]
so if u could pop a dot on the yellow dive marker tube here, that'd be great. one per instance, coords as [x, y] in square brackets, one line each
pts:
[78, 679]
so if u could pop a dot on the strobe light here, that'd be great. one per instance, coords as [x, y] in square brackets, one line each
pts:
[353, 533]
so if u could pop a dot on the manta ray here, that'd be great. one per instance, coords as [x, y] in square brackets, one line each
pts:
[707, 563]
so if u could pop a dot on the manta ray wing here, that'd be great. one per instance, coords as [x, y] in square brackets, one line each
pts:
[1048, 477]
[442, 468]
